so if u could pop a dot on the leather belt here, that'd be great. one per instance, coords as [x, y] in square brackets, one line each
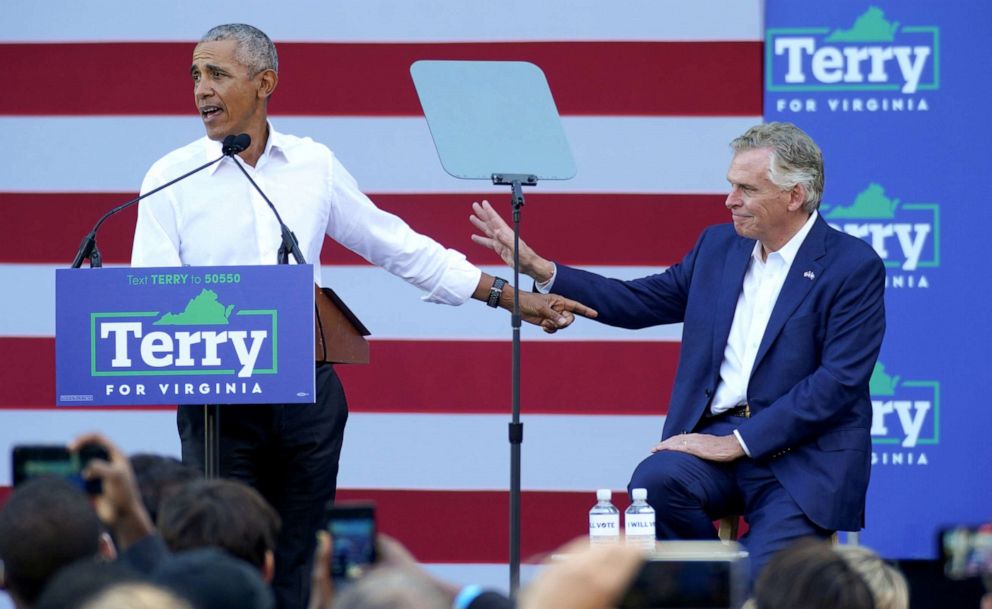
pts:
[741, 410]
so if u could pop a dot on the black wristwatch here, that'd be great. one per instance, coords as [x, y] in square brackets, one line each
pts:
[495, 292]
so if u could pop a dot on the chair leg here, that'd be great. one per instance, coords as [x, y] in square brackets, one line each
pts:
[729, 526]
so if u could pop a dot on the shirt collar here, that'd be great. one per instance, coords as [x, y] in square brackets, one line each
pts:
[276, 143]
[789, 250]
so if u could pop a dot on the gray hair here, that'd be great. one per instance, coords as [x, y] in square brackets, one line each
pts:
[887, 584]
[795, 159]
[254, 49]
[392, 588]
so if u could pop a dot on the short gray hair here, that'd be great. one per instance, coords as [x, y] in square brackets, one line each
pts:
[254, 49]
[796, 159]
[392, 588]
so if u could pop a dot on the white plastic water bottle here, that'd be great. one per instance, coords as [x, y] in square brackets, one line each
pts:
[604, 520]
[639, 521]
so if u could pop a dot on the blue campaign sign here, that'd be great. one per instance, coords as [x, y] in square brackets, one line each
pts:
[187, 335]
[894, 94]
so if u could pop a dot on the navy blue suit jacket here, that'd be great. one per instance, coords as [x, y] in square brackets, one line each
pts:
[808, 391]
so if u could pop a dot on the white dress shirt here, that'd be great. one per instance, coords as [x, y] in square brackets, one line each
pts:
[217, 218]
[762, 284]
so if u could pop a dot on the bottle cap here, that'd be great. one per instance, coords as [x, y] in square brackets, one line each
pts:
[639, 494]
[604, 494]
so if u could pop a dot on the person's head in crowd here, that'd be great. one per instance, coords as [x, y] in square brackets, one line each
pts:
[209, 578]
[136, 596]
[46, 524]
[809, 574]
[74, 585]
[392, 588]
[590, 577]
[888, 585]
[222, 514]
[159, 477]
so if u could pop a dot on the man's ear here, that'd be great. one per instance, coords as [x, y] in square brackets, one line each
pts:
[797, 197]
[269, 567]
[267, 81]
[106, 550]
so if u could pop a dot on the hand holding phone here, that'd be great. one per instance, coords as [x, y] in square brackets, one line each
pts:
[353, 531]
[34, 460]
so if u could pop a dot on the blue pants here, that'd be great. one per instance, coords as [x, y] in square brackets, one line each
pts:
[688, 494]
[289, 453]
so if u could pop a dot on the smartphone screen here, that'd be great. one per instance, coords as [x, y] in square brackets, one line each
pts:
[687, 584]
[352, 529]
[967, 551]
[32, 461]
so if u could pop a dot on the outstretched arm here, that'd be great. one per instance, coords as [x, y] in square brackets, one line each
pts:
[498, 236]
[550, 311]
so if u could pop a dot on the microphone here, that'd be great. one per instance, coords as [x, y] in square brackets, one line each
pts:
[289, 243]
[232, 145]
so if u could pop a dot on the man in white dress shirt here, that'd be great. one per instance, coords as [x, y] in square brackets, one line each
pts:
[216, 218]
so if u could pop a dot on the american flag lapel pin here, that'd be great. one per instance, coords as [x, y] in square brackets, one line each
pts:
[809, 275]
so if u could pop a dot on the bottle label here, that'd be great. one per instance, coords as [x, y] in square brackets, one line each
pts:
[639, 530]
[604, 525]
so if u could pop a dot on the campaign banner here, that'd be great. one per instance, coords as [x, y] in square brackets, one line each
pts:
[892, 93]
[184, 335]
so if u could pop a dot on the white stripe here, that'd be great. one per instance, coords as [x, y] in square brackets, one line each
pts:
[389, 307]
[386, 20]
[386, 155]
[398, 451]
[560, 452]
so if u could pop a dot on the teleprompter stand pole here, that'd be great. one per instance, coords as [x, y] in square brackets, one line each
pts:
[516, 182]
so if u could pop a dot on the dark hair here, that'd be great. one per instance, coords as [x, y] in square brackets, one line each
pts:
[209, 578]
[810, 575]
[220, 513]
[159, 478]
[45, 525]
[82, 581]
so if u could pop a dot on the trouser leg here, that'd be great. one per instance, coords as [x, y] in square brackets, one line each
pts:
[289, 453]
[304, 481]
[687, 493]
[774, 518]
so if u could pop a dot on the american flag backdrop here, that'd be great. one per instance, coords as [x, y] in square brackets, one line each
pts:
[650, 93]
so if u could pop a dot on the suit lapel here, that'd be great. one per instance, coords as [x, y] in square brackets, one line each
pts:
[802, 275]
[730, 289]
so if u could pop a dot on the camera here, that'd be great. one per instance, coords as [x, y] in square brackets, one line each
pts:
[690, 575]
[352, 528]
[32, 461]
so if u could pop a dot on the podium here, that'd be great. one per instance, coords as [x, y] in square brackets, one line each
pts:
[198, 335]
[339, 334]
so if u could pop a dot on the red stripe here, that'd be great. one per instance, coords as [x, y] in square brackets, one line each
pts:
[588, 78]
[473, 526]
[582, 229]
[468, 377]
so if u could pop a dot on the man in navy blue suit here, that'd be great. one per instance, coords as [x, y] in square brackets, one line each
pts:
[783, 318]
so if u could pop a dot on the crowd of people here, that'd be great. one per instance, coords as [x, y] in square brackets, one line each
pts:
[160, 536]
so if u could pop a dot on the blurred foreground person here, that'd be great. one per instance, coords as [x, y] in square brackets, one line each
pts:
[810, 575]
